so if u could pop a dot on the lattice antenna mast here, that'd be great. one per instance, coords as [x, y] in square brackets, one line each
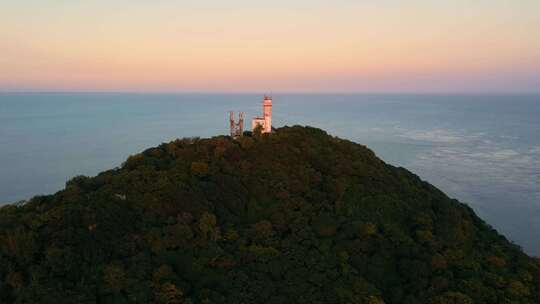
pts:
[240, 126]
[236, 128]
[231, 123]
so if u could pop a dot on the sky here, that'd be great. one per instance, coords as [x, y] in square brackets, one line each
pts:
[419, 46]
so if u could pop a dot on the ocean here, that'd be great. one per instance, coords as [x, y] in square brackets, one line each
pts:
[481, 149]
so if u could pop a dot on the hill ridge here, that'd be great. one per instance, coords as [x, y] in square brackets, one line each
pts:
[294, 216]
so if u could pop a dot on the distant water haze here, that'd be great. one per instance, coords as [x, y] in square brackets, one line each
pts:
[481, 149]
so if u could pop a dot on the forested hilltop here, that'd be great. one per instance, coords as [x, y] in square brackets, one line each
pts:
[296, 216]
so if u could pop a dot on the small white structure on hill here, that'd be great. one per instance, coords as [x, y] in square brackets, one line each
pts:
[266, 121]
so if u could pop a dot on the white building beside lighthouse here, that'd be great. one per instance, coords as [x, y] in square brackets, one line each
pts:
[266, 121]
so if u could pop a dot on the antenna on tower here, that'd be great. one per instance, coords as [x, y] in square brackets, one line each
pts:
[236, 129]
[231, 123]
[240, 126]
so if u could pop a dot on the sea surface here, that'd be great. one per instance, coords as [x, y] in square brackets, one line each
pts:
[481, 149]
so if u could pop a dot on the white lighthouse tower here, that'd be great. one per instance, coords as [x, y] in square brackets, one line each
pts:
[267, 113]
[266, 121]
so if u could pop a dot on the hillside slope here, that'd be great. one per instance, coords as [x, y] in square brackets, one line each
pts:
[297, 216]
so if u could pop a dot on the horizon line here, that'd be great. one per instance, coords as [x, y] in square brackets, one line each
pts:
[274, 92]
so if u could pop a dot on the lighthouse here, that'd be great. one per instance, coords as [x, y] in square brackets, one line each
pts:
[264, 122]
[267, 113]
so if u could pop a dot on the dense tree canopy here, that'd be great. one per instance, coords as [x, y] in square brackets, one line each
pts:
[296, 216]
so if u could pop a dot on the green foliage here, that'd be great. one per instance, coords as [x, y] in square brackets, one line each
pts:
[295, 216]
[452, 298]
[199, 168]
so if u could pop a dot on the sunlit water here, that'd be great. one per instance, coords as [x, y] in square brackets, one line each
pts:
[482, 150]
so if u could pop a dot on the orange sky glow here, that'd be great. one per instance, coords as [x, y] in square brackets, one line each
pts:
[237, 46]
